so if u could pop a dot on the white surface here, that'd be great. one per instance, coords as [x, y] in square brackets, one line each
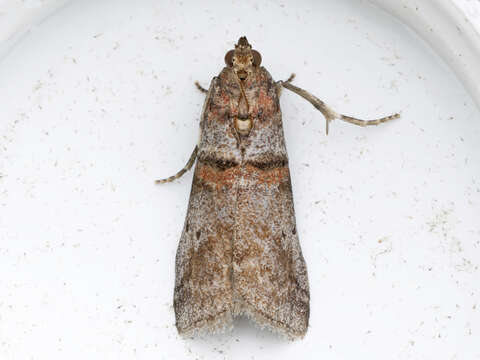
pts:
[91, 114]
[17, 18]
[452, 28]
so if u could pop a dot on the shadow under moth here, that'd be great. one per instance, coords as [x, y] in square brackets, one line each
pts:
[239, 252]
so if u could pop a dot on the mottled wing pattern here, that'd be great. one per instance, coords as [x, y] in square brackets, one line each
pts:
[239, 252]
[203, 286]
[270, 275]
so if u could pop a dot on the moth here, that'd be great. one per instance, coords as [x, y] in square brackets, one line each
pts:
[239, 252]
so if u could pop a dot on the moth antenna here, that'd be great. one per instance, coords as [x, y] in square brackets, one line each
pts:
[329, 113]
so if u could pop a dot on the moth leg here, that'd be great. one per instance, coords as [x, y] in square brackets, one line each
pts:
[200, 87]
[187, 167]
[279, 84]
[290, 79]
[329, 113]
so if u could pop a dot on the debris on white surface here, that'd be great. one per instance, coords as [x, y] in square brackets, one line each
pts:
[100, 101]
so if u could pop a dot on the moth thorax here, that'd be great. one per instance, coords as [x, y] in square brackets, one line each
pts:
[243, 126]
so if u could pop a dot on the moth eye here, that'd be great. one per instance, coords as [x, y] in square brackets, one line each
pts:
[257, 58]
[229, 58]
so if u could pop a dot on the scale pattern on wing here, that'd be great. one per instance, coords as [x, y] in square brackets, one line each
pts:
[239, 252]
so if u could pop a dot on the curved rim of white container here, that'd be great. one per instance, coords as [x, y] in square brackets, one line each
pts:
[448, 30]
[441, 23]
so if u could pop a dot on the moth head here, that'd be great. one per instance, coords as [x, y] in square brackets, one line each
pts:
[244, 60]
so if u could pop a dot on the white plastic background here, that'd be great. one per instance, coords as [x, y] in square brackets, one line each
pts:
[97, 100]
